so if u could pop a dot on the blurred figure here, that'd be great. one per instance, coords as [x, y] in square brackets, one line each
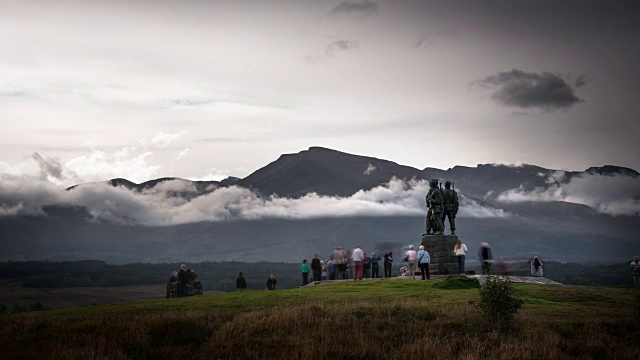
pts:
[323, 275]
[536, 267]
[173, 277]
[305, 272]
[338, 261]
[183, 281]
[316, 268]
[423, 263]
[375, 266]
[404, 271]
[635, 271]
[272, 282]
[411, 257]
[460, 251]
[388, 262]
[241, 282]
[358, 262]
[504, 266]
[486, 257]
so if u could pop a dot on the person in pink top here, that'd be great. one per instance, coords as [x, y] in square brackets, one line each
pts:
[358, 262]
[411, 257]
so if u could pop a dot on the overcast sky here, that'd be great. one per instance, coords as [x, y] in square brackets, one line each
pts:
[92, 90]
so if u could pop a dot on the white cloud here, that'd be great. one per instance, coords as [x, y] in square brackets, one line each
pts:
[162, 139]
[369, 169]
[160, 206]
[132, 163]
[181, 155]
[613, 195]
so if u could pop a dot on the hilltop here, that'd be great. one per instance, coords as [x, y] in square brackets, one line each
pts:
[392, 319]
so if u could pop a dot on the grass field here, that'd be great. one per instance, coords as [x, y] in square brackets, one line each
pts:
[386, 319]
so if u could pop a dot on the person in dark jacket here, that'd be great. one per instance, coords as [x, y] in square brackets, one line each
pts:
[183, 281]
[388, 262]
[241, 282]
[191, 275]
[316, 268]
[271, 283]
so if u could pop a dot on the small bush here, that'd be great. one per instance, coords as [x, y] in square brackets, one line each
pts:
[497, 301]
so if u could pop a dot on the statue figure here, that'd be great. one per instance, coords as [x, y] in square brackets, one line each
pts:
[450, 206]
[435, 203]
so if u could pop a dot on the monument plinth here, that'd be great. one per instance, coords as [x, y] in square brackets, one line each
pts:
[440, 249]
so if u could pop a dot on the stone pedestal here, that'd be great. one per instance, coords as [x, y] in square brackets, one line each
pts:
[440, 249]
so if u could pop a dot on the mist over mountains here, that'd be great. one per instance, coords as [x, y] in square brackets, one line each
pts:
[316, 199]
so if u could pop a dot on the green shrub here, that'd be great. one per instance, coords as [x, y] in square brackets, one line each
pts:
[497, 301]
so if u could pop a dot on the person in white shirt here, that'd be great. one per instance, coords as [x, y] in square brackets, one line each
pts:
[460, 250]
[358, 262]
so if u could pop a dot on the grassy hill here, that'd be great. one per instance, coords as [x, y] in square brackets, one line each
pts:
[390, 319]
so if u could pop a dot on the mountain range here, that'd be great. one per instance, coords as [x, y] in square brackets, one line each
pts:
[311, 201]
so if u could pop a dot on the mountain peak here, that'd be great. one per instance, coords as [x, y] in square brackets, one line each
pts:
[611, 170]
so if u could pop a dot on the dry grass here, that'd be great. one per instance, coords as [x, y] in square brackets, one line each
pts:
[346, 321]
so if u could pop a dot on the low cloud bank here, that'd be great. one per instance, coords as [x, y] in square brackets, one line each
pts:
[161, 205]
[609, 194]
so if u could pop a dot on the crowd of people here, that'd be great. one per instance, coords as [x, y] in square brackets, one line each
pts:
[183, 276]
[358, 265]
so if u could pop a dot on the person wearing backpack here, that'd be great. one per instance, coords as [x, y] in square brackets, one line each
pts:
[423, 262]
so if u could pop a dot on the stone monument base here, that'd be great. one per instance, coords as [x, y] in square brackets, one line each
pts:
[440, 249]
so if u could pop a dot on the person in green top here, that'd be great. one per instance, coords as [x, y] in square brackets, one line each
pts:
[374, 265]
[305, 272]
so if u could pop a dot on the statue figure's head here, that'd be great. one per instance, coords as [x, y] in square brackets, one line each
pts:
[433, 183]
[447, 184]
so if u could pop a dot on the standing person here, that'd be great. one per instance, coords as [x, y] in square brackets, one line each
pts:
[323, 274]
[635, 271]
[375, 267]
[411, 257]
[331, 272]
[388, 262]
[460, 251]
[305, 272]
[486, 257]
[367, 266]
[338, 260]
[316, 268]
[183, 281]
[241, 282]
[536, 267]
[358, 262]
[423, 262]
[272, 282]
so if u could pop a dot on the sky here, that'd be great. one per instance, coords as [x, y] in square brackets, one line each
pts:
[202, 90]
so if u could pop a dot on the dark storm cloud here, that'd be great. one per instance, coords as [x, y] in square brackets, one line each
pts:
[517, 88]
[361, 9]
[340, 45]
